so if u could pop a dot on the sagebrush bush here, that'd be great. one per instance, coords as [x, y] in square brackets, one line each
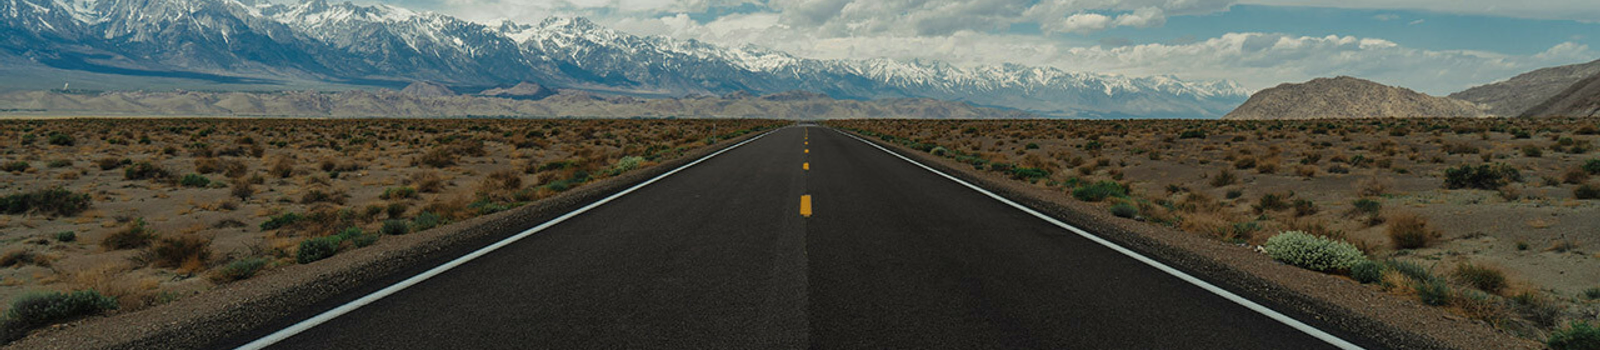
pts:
[1411, 270]
[50, 201]
[136, 235]
[66, 236]
[318, 248]
[1577, 336]
[1434, 292]
[1483, 177]
[1224, 178]
[62, 140]
[1484, 278]
[173, 252]
[1586, 192]
[34, 310]
[145, 171]
[394, 193]
[194, 180]
[21, 257]
[627, 163]
[15, 166]
[427, 220]
[357, 237]
[1312, 252]
[280, 221]
[395, 227]
[1367, 271]
[1410, 231]
[111, 163]
[1124, 210]
[1099, 191]
[238, 270]
[440, 157]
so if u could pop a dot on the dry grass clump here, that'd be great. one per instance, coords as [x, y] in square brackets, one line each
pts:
[427, 181]
[23, 257]
[187, 253]
[135, 235]
[1373, 186]
[282, 167]
[500, 184]
[1223, 178]
[1410, 231]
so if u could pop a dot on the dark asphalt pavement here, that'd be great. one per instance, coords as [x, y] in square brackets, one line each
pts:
[718, 256]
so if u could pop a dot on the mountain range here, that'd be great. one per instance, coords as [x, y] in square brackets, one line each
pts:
[250, 45]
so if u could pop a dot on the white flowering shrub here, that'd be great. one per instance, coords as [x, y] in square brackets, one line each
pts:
[1312, 252]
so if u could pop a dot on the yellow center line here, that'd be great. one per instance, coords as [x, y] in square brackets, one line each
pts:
[806, 165]
[805, 205]
[808, 150]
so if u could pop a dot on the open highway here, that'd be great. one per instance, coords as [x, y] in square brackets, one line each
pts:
[802, 238]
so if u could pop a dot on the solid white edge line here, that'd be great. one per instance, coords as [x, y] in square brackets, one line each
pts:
[326, 316]
[1225, 294]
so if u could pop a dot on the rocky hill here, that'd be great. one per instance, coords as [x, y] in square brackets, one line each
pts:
[1517, 95]
[393, 104]
[1347, 97]
[522, 91]
[1582, 99]
[427, 89]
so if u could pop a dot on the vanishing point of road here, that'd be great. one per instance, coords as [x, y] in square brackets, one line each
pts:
[802, 238]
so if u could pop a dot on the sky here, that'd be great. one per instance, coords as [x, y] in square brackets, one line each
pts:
[1434, 46]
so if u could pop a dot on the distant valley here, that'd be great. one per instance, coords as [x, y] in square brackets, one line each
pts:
[425, 100]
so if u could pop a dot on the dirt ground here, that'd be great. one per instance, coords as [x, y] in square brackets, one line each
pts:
[1534, 229]
[333, 174]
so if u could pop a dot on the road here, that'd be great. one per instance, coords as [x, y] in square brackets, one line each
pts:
[719, 255]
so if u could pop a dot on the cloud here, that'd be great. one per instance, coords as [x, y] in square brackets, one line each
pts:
[1259, 60]
[841, 18]
[1082, 23]
[1256, 60]
[1416, 22]
[1576, 10]
[980, 32]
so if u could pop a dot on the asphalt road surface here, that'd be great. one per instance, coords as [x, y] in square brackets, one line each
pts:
[720, 255]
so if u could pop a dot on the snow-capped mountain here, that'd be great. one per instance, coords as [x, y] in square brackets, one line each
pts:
[388, 46]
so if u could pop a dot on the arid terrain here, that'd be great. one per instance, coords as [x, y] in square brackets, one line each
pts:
[150, 211]
[1493, 219]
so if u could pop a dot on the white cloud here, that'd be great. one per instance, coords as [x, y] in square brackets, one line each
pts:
[1577, 10]
[1256, 60]
[937, 17]
[976, 32]
[1143, 18]
[1083, 23]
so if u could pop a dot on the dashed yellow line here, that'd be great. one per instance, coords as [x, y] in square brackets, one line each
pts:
[805, 205]
[805, 166]
[808, 150]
